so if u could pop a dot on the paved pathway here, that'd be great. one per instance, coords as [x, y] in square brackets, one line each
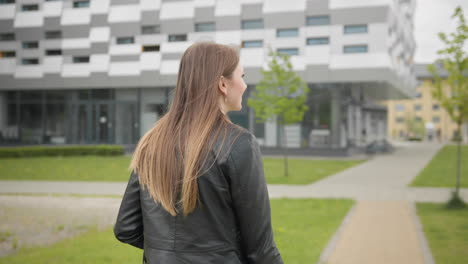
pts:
[381, 228]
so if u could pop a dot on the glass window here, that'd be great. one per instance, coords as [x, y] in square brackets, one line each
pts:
[400, 120]
[29, 7]
[81, 59]
[148, 30]
[7, 36]
[435, 119]
[151, 48]
[399, 108]
[80, 4]
[176, 38]
[289, 51]
[31, 123]
[355, 49]
[125, 40]
[418, 95]
[5, 2]
[205, 27]
[54, 52]
[435, 107]
[417, 107]
[55, 95]
[53, 34]
[31, 45]
[287, 32]
[252, 44]
[7, 54]
[318, 20]
[418, 119]
[30, 61]
[355, 29]
[252, 24]
[318, 41]
[259, 130]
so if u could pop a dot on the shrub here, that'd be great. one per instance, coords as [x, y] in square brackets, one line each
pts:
[38, 151]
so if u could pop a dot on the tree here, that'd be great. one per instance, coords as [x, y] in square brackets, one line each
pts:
[454, 60]
[415, 127]
[281, 93]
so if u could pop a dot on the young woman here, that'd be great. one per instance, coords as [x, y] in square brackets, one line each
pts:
[197, 192]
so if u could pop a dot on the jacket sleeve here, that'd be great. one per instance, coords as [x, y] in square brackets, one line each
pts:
[129, 224]
[251, 201]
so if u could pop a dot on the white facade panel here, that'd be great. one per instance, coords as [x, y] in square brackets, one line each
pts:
[151, 39]
[298, 63]
[316, 31]
[169, 66]
[279, 6]
[99, 34]
[129, 68]
[253, 57]
[7, 11]
[147, 5]
[76, 43]
[29, 19]
[175, 47]
[177, 10]
[150, 61]
[201, 36]
[129, 49]
[99, 62]
[358, 3]
[204, 3]
[227, 8]
[52, 9]
[317, 55]
[100, 6]
[229, 37]
[76, 70]
[254, 34]
[124, 13]
[361, 60]
[7, 65]
[76, 16]
[29, 71]
[52, 64]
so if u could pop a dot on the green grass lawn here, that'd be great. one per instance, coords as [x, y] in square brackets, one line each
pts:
[440, 172]
[446, 231]
[302, 230]
[97, 168]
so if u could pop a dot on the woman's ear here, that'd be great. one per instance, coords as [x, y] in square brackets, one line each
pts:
[222, 86]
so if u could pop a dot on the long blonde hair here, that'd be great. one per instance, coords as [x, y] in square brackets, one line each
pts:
[169, 157]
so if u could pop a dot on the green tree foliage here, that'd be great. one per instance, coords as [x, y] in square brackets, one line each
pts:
[454, 60]
[281, 93]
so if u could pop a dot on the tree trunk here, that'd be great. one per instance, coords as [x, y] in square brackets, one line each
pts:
[457, 186]
[285, 151]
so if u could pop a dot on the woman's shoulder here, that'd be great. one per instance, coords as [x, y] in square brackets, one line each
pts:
[237, 140]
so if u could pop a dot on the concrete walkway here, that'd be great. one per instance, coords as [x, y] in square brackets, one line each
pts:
[381, 228]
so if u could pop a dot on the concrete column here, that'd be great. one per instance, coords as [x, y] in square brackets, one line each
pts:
[351, 129]
[358, 125]
[271, 136]
[335, 118]
[370, 133]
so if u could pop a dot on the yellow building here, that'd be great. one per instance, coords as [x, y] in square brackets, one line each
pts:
[437, 124]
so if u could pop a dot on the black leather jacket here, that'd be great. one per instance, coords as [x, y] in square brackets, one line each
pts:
[231, 224]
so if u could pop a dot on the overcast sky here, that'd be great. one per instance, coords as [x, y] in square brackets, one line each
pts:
[432, 17]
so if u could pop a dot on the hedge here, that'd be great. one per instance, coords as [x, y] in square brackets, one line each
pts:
[38, 151]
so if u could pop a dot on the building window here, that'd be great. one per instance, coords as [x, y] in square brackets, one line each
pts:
[417, 107]
[7, 54]
[418, 95]
[289, 51]
[29, 7]
[30, 61]
[53, 34]
[81, 59]
[318, 41]
[205, 27]
[151, 48]
[252, 44]
[125, 40]
[252, 24]
[80, 4]
[318, 20]
[418, 119]
[435, 119]
[176, 38]
[6, 2]
[355, 29]
[54, 52]
[399, 108]
[287, 32]
[148, 30]
[355, 49]
[399, 120]
[7, 36]
[435, 107]
[31, 45]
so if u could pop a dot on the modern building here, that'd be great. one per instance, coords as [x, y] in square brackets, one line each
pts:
[436, 122]
[102, 71]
